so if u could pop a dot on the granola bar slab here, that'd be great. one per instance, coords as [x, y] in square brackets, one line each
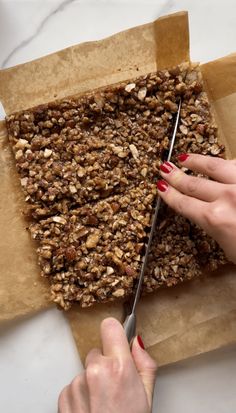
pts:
[87, 167]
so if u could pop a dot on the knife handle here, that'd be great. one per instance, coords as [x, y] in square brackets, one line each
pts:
[130, 327]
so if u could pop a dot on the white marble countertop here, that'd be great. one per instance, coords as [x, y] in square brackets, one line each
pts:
[38, 355]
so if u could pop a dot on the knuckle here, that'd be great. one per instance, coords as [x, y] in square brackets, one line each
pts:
[212, 164]
[91, 356]
[76, 382]
[153, 366]
[179, 206]
[230, 194]
[192, 185]
[93, 372]
[118, 367]
[176, 177]
[215, 216]
[150, 366]
[219, 213]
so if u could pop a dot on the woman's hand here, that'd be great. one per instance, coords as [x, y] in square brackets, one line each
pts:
[114, 380]
[210, 204]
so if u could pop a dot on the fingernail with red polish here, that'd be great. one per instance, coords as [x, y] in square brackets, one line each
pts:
[162, 185]
[140, 341]
[166, 167]
[182, 157]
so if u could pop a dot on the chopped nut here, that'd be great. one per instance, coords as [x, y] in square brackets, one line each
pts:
[136, 215]
[199, 138]
[59, 220]
[46, 253]
[118, 252]
[215, 149]
[93, 239]
[82, 232]
[144, 172]
[70, 253]
[183, 129]
[114, 283]
[47, 153]
[21, 143]
[81, 172]
[130, 87]
[142, 93]
[19, 154]
[122, 154]
[72, 189]
[119, 293]
[130, 271]
[24, 181]
[171, 106]
[110, 270]
[134, 151]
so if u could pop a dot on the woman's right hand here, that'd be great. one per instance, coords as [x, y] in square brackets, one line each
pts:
[209, 203]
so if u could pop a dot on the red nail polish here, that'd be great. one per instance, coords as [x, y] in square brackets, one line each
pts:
[140, 341]
[182, 157]
[166, 167]
[162, 185]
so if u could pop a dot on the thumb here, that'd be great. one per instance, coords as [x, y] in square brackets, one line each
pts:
[146, 367]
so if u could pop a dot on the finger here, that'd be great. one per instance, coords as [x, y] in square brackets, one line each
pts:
[114, 341]
[217, 168]
[193, 186]
[191, 208]
[78, 393]
[93, 356]
[146, 367]
[64, 401]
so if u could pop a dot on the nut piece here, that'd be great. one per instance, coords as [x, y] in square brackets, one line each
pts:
[70, 253]
[119, 293]
[110, 270]
[130, 87]
[47, 153]
[72, 189]
[81, 172]
[134, 151]
[59, 220]
[93, 239]
[21, 144]
[19, 154]
[183, 129]
[24, 181]
[144, 172]
[215, 149]
[122, 154]
[118, 252]
[142, 93]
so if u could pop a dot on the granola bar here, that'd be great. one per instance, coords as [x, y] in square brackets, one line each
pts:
[94, 252]
[88, 167]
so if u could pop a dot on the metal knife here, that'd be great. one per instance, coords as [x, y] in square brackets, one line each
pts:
[130, 321]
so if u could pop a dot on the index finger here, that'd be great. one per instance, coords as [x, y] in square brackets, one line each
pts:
[114, 341]
[192, 208]
[219, 169]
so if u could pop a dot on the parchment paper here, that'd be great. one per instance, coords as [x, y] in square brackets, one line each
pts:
[175, 323]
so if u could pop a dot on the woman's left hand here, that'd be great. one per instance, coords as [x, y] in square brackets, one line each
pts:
[115, 379]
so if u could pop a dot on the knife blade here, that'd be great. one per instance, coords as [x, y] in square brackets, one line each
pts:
[130, 321]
